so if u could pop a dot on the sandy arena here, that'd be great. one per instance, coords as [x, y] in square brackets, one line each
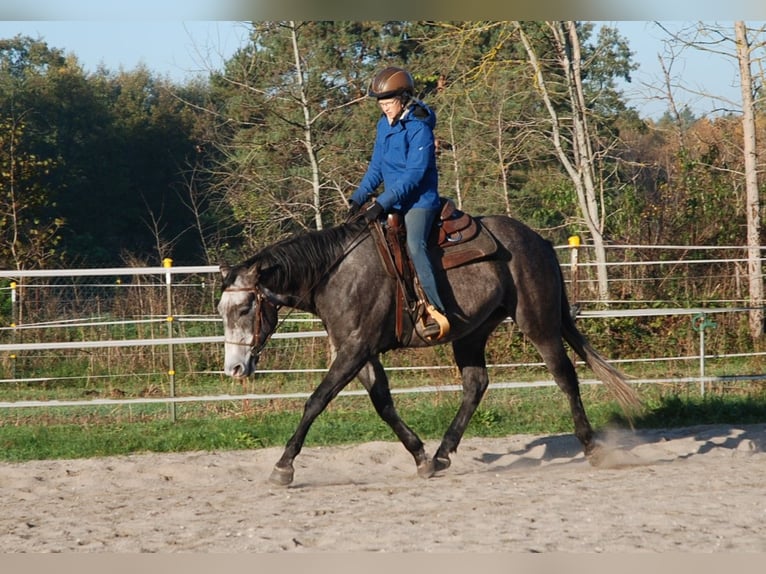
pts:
[695, 489]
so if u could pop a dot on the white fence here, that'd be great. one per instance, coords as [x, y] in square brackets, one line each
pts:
[169, 279]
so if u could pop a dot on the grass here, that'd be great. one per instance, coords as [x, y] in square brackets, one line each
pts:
[137, 372]
[92, 431]
[78, 433]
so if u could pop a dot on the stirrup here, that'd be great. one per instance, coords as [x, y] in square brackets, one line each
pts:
[437, 330]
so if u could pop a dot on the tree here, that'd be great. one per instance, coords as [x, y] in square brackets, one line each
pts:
[572, 126]
[291, 139]
[96, 160]
[743, 45]
[28, 222]
[29, 219]
[479, 94]
[753, 209]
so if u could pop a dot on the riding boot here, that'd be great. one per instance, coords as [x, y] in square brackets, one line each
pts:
[436, 325]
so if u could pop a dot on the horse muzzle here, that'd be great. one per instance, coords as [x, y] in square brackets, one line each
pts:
[239, 364]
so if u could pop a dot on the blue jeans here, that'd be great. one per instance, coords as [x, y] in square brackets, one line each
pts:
[417, 222]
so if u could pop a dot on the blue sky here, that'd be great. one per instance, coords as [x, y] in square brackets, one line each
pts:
[181, 49]
[693, 72]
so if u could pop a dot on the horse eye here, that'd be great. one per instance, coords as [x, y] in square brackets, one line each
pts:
[244, 310]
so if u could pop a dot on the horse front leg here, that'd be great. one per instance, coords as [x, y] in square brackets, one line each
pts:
[337, 377]
[374, 379]
[469, 356]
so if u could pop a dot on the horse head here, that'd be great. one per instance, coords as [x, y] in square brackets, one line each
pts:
[249, 313]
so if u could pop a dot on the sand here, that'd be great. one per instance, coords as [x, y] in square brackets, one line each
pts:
[697, 489]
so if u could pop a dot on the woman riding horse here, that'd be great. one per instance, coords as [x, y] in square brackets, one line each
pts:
[404, 161]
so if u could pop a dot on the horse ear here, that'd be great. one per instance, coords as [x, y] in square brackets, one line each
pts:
[225, 269]
[252, 274]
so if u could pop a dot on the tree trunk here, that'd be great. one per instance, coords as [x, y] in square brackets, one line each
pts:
[308, 140]
[751, 182]
[586, 161]
[581, 165]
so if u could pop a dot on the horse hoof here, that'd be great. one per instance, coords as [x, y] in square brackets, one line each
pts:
[602, 457]
[282, 476]
[426, 469]
[594, 458]
[441, 463]
[595, 453]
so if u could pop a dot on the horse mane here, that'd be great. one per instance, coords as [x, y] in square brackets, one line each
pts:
[303, 259]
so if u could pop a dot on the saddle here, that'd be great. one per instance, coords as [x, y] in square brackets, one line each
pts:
[456, 239]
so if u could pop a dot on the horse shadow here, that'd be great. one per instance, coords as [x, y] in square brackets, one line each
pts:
[554, 449]
[626, 448]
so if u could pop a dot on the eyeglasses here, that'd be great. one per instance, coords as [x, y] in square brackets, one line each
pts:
[387, 103]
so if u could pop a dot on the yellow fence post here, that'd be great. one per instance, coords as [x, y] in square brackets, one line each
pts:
[574, 244]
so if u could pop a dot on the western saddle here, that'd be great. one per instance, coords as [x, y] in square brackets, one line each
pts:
[456, 239]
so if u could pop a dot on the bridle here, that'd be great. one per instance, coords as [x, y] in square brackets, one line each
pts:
[258, 320]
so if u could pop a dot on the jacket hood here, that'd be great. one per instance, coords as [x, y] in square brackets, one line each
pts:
[418, 110]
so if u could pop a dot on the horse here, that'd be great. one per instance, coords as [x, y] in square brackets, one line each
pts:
[337, 274]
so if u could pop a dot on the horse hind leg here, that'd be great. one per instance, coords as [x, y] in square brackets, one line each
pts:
[561, 368]
[374, 379]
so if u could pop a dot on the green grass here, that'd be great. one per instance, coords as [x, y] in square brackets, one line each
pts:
[77, 434]
[131, 373]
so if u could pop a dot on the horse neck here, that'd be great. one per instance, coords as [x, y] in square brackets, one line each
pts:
[305, 263]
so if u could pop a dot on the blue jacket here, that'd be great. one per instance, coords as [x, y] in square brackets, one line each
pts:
[404, 161]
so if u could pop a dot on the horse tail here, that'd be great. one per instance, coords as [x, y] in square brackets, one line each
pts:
[611, 377]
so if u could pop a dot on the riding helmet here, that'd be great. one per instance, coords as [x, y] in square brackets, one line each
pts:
[391, 82]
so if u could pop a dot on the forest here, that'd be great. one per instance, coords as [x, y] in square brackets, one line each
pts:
[111, 169]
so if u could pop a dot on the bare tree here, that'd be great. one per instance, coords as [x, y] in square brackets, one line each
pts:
[717, 40]
[753, 207]
[577, 158]
[308, 137]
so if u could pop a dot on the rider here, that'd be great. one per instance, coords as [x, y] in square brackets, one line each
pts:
[404, 160]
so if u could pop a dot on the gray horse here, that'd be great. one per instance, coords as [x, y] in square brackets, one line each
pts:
[337, 275]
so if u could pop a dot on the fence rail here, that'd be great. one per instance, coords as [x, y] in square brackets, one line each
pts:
[40, 304]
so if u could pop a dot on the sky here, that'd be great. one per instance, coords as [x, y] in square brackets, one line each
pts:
[178, 49]
[692, 72]
[182, 49]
